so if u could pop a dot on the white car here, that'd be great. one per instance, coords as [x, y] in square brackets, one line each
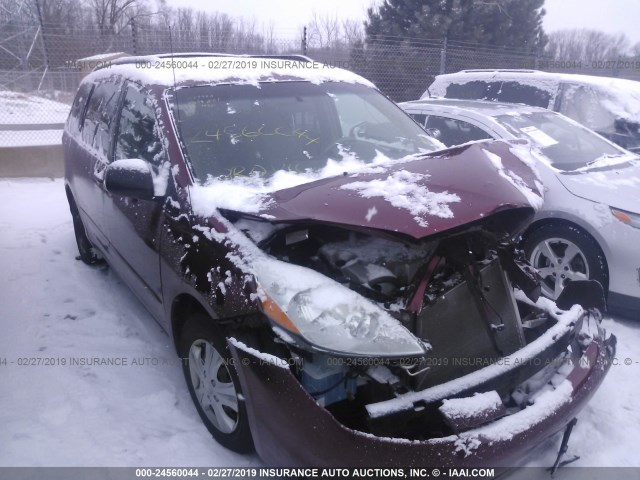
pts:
[609, 106]
[589, 226]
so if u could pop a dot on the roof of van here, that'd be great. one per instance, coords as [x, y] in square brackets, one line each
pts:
[187, 69]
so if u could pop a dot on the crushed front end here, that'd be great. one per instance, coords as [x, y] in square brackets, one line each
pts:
[394, 349]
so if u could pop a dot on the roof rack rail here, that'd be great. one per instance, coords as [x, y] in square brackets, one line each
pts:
[506, 70]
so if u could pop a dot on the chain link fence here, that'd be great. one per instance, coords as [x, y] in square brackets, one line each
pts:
[40, 68]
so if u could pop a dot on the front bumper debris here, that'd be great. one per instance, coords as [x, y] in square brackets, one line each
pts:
[289, 428]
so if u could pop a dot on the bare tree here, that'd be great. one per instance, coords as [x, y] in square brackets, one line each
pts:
[323, 31]
[111, 15]
[352, 31]
[586, 45]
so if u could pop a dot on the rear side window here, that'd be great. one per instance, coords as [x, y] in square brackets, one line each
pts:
[501, 91]
[515, 92]
[474, 90]
[98, 119]
[77, 109]
[137, 133]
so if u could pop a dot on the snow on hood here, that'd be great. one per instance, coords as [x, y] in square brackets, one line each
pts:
[251, 194]
[617, 186]
[418, 196]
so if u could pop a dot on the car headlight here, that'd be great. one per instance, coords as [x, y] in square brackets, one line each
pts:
[632, 219]
[330, 317]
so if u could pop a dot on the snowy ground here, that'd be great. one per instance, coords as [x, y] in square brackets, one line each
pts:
[52, 306]
[30, 138]
[22, 109]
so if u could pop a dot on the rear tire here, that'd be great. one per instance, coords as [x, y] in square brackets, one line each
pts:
[562, 253]
[213, 383]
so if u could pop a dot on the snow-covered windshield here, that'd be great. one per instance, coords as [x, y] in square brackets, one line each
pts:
[243, 130]
[568, 145]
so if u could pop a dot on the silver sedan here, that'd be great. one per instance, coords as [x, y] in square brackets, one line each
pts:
[589, 226]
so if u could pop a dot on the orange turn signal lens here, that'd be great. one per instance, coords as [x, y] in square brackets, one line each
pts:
[623, 217]
[275, 313]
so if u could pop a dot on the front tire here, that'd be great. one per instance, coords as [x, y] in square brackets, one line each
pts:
[213, 383]
[563, 253]
[86, 250]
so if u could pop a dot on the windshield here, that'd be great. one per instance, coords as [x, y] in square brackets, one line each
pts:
[244, 130]
[568, 145]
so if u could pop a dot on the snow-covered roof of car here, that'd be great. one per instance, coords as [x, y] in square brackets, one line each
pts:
[483, 107]
[481, 74]
[619, 96]
[213, 68]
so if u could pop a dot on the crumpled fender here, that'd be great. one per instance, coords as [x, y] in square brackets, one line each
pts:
[290, 429]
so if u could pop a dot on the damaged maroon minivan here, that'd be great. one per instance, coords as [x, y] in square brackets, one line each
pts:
[343, 291]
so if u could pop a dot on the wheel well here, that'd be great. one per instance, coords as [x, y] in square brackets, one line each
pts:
[71, 200]
[565, 223]
[183, 307]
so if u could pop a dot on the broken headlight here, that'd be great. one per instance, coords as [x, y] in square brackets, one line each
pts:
[332, 318]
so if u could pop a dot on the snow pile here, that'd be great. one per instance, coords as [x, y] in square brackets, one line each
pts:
[469, 407]
[406, 190]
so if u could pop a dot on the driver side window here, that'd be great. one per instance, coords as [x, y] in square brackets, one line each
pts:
[137, 133]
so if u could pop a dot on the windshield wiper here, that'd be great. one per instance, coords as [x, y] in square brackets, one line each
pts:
[605, 157]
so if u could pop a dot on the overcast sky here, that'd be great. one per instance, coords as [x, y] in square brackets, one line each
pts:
[288, 16]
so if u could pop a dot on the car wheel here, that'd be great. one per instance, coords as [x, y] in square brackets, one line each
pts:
[88, 254]
[213, 383]
[562, 254]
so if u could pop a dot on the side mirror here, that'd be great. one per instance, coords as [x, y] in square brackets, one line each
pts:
[130, 177]
[434, 132]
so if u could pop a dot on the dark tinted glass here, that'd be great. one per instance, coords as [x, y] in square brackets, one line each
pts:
[137, 133]
[514, 92]
[101, 111]
[455, 132]
[77, 109]
[474, 90]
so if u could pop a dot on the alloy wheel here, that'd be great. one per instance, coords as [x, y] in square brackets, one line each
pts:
[559, 261]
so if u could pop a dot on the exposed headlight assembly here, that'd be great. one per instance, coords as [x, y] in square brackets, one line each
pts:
[330, 317]
[632, 219]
